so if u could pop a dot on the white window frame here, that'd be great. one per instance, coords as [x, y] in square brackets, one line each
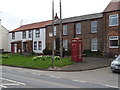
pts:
[37, 33]
[30, 33]
[65, 45]
[111, 17]
[94, 26]
[94, 44]
[113, 38]
[39, 45]
[78, 28]
[24, 34]
[13, 35]
[35, 45]
[65, 30]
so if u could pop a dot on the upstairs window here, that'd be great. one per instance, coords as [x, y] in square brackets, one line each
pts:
[65, 30]
[113, 20]
[37, 34]
[30, 34]
[94, 27]
[13, 35]
[78, 28]
[113, 42]
[24, 34]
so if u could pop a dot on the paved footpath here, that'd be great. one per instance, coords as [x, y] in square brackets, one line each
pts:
[89, 63]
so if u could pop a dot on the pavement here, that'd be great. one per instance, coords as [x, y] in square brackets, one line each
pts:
[89, 63]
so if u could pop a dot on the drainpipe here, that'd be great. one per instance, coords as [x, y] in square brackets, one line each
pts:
[32, 41]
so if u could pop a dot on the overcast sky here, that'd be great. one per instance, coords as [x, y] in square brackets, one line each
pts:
[30, 11]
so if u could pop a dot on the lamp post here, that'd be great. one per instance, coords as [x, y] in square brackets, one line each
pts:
[53, 54]
[60, 30]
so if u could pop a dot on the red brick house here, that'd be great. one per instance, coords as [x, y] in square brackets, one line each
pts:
[99, 32]
[112, 29]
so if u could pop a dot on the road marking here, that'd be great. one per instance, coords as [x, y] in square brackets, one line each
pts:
[9, 69]
[34, 73]
[10, 84]
[20, 83]
[3, 86]
[21, 71]
[55, 77]
[79, 81]
[111, 86]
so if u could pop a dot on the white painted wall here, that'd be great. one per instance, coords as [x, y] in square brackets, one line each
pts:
[19, 37]
[42, 38]
[4, 38]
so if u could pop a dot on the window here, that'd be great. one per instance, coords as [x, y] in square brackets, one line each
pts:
[13, 35]
[55, 31]
[113, 20]
[30, 34]
[35, 45]
[65, 30]
[39, 45]
[113, 42]
[50, 34]
[24, 34]
[94, 44]
[37, 33]
[65, 45]
[94, 27]
[78, 28]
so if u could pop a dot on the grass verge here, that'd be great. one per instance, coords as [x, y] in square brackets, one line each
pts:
[26, 61]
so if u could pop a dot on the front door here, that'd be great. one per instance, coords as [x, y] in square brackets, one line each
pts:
[25, 47]
[12, 48]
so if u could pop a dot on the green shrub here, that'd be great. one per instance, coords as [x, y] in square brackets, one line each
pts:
[4, 56]
[45, 58]
[47, 51]
[57, 58]
[88, 52]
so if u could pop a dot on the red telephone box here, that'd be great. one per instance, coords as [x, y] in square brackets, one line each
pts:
[76, 50]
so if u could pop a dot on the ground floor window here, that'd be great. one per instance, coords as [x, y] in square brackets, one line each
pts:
[113, 41]
[65, 45]
[39, 45]
[35, 45]
[94, 44]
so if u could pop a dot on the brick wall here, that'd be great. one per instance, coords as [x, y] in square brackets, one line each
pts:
[111, 31]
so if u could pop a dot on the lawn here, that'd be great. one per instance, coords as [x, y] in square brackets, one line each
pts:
[26, 61]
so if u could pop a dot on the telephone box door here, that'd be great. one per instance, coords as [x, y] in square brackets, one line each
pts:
[76, 50]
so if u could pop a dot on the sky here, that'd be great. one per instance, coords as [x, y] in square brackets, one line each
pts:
[31, 11]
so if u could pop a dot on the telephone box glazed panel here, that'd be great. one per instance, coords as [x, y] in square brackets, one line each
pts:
[76, 50]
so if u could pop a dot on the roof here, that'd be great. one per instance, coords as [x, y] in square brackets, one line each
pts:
[80, 18]
[113, 5]
[33, 26]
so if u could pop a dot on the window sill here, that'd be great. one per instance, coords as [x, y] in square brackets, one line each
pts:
[114, 47]
[113, 25]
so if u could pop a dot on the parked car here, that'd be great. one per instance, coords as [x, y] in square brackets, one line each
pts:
[115, 65]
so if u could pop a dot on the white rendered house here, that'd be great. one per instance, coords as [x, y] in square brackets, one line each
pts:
[29, 38]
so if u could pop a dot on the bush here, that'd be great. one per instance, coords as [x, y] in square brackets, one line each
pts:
[47, 51]
[45, 58]
[4, 56]
[91, 53]
[57, 58]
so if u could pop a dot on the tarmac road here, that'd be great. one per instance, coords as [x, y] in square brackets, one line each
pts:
[27, 78]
